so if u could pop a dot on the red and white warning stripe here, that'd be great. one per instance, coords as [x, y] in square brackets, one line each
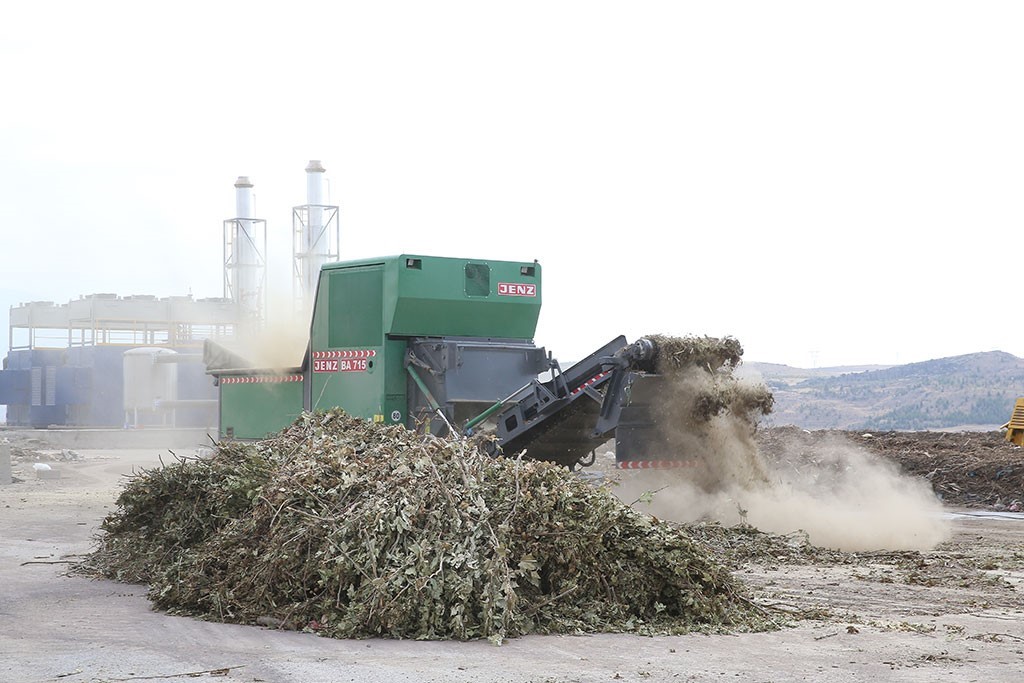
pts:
[346, 353]
[595, 378]
[261, 379]
[654, 464]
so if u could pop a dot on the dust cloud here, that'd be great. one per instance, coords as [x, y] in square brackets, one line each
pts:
[840, 495]
[279, 342]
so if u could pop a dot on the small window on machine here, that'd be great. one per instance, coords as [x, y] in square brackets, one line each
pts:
[478, 279]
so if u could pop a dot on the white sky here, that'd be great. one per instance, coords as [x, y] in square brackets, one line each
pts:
[829, 182]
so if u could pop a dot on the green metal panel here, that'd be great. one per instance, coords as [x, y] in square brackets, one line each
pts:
[364, 311]
[441, 296]
[464, 297]
[253, 405]
[356, 307]
[359, 392]
[349, 363]
[395, 395]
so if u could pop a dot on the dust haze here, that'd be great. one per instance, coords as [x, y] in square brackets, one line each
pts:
[840, 495]
[279, 343]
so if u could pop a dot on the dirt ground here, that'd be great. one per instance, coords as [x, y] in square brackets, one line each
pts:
[955, 613]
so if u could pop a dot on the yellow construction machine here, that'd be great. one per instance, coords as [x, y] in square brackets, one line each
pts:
[1015, 427]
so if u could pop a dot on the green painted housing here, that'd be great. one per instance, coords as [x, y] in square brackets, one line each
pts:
[256, 403]
[365, 310]
[363, 315]
[426, 296]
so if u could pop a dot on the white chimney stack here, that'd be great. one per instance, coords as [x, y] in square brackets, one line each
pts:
[244, 247]
[315, 234]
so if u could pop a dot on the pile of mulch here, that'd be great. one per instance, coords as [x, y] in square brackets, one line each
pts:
[970, 469]
[353, 529]
[712, 353]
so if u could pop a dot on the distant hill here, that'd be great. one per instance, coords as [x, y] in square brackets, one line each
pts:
[970, 392]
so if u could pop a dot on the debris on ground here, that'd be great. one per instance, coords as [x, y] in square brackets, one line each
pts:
[742, 547]
[353, 529]
[31, 450]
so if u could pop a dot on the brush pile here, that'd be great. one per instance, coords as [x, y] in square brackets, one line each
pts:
[354, 529]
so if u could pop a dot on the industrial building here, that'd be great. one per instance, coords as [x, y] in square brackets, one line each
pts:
[67, 363]
[105, 360]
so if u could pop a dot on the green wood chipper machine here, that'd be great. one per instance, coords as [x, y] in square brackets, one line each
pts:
[445, 345]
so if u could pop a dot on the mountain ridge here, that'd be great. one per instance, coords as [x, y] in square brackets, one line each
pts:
[973, 391]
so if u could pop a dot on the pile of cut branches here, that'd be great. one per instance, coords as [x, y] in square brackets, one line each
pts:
[354, 529]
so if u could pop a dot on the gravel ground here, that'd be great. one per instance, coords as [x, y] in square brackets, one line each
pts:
[950, 614]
